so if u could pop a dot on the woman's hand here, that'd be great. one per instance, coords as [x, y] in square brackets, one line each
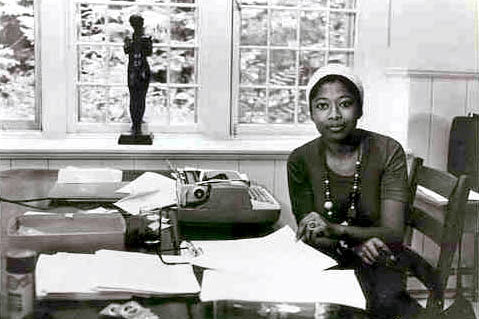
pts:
[372, 251]
[312, 226]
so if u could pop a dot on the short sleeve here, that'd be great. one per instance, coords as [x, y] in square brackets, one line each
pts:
[394, 179]
[299, 185]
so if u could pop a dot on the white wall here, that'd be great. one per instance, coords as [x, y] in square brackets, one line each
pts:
[418, 38]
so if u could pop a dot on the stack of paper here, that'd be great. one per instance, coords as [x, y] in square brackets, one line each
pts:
[274, 268]
[111, 274]
[75, 175]
[149, 191]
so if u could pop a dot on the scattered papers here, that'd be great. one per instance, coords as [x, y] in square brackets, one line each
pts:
[149, 191]
[330, 286]
[275, 268]
[149, 182]
[259, 255]
[75, 175]
[111, 274]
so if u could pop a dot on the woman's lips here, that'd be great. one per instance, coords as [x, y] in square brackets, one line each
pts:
[336, 128]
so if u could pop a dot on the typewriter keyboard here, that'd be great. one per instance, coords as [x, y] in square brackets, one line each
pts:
[260, 194]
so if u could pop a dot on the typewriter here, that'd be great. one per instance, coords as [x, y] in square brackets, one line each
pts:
[223, 197]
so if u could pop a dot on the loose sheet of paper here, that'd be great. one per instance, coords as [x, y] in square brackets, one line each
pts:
[75, 175]
[329, 286]
[258, 255]
[273, 268]
[150, 190]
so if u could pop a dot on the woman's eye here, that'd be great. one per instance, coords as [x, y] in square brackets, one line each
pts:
[346, 103]
[322, 106]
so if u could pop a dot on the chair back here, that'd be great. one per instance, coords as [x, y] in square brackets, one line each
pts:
[440, 220]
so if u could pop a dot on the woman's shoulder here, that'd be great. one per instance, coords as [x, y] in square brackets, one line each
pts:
[381, 141]
[306, 150]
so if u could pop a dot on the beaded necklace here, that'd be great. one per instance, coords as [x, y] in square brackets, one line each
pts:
[354, 197]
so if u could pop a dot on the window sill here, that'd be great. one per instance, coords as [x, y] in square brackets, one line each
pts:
[33, 145]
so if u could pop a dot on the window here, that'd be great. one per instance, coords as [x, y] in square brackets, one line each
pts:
[101, 90]
[219, 67]
[281, 43]
[18, 107]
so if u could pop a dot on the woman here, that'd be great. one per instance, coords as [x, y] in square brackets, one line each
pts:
[349, 191]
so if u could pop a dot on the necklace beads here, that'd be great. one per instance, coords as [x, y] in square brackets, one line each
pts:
[354, 197]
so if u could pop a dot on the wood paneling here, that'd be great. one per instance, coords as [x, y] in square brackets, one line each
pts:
[449, 100]
[26, 163]
[54, 164]
[420, 106]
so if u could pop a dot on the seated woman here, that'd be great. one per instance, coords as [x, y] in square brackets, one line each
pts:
[349, 192]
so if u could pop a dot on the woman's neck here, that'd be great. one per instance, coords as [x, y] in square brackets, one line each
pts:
[344, 148]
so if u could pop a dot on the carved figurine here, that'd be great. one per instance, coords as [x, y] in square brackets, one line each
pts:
[138, 49]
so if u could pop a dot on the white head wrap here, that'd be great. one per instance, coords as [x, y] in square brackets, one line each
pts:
[334, 69]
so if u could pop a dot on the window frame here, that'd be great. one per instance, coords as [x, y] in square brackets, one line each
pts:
[308, 128]
[36, 123]
[217, 76]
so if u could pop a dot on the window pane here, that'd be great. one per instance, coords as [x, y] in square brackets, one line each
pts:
[118, 105]
[92, 22]
[252, 106]
[156, 106]
[341, 30]
[93, 63]
[182, 109]
[17, 61]
[157, 23]
[313, 29]
[343, 4]
[169, 26]
[309, 61]
[314, 3]
[183, 23]
[284, 2]
[253, 66]
[283, 67]
[159, 65]
[283, 28]
[303, 108]
[281, 106]
[254, 26]
[182, 66]
[259, 2]
[117, 66]
[118, 22]
[93, 102]
[345, 58]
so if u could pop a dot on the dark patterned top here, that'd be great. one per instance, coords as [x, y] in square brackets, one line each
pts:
[383, 176]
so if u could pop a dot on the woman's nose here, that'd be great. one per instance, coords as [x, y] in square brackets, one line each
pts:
[335, 112]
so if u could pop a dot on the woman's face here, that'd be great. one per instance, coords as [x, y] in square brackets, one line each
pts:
[334, 110]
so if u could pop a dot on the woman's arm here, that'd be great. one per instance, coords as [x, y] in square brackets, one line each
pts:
[390, 229]
[300, 189]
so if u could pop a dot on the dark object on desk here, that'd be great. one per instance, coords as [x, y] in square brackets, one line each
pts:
[71, 233]
[443, 224]
[224, 199]
[137, 48]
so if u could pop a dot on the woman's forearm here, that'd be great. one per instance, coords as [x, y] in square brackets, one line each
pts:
[360, 234]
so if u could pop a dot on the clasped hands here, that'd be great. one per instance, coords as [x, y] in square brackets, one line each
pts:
[313, 227]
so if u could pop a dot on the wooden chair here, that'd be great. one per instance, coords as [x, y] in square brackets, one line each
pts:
[442, 222]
